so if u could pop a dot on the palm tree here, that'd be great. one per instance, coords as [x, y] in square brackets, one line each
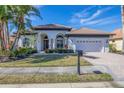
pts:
[22, 19]
[122, 8]
[5, 16]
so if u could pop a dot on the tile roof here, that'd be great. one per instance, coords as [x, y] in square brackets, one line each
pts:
[52, 27]
[87, 31]
[117, 34]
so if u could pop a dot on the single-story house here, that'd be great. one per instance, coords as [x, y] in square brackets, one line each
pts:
[53, 36]
[117, 39]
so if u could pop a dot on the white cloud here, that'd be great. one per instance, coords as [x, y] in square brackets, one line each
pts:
[103, 21]
[97, 13]
[84, 12]
[89, 17]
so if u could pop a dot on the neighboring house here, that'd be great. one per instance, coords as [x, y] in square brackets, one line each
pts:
[28, 39]
[117, 40]
[53, 36]
[12, 38]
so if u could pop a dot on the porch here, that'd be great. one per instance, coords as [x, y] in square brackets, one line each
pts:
[46, 41]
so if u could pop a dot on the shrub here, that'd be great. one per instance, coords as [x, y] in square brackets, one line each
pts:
[23, 52]
[34, 50]
[112, 48]
[5, 53]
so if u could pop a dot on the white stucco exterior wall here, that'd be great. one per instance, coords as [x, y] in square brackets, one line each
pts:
[52, 34]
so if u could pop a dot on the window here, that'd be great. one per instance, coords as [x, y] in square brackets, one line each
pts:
[60, 41]
[26, 42]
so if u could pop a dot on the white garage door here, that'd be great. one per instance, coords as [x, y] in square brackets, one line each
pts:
[89, 45]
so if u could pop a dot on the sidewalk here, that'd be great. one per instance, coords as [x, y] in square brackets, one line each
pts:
[60, 85]
[59, 70]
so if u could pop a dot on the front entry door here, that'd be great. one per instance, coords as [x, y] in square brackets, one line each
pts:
[46, 42]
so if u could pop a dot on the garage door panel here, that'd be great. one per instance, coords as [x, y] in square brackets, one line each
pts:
[90, 46]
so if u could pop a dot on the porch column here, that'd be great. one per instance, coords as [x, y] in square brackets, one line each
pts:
[51, 43]
[54, 43]
[38, 42]
[66, 42]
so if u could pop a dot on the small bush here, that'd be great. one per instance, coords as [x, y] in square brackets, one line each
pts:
[5, 53]
[112, 48]
[23, 52]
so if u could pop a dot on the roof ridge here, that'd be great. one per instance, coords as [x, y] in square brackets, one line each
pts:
[52, 27]
[53, 24]
[89, 29]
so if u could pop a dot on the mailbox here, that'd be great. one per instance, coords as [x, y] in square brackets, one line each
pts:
[80, 52]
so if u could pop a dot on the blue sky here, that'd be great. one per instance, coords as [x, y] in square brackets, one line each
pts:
[105, 18]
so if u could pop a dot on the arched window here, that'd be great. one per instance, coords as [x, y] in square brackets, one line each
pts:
[46, 43]
[59, 41]
[26, 42]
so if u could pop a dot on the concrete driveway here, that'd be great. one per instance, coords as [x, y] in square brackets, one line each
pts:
[113, 62]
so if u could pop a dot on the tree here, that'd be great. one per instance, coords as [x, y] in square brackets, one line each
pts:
[19, 16]
[5, 16]
[22, 19]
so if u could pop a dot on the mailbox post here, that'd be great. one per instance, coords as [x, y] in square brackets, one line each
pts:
[80, 53]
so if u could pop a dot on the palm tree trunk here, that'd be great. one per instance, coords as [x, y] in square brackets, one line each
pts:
[122, 10]
[15, 43]
[1, 39]
[5, 36]
[8, 35]
[2, 36]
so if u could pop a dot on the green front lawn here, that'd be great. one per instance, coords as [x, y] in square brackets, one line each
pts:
[52, 78]
[46, 61]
